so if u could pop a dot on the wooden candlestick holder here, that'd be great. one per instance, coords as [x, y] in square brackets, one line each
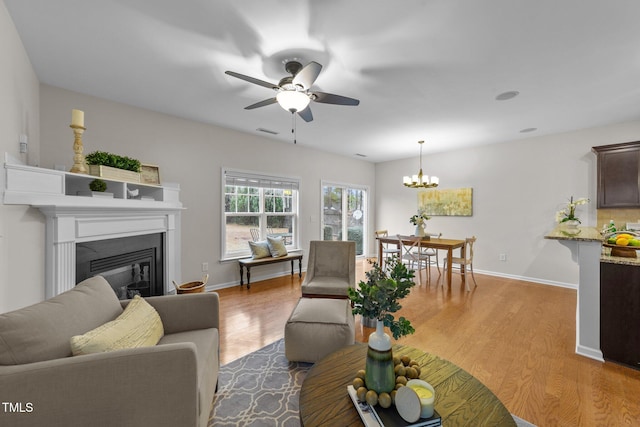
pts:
[79, 165]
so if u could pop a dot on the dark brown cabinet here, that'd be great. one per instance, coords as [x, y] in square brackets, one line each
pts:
[620, 313]
[618, 175]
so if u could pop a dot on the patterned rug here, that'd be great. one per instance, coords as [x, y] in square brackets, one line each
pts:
[261, 389]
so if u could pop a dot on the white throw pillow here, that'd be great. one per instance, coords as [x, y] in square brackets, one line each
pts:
[276, 246]
[259, 249]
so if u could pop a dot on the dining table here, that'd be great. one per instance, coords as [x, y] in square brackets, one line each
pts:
[428, 242]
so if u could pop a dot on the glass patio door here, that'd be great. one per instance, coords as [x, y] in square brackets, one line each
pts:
[344, 214]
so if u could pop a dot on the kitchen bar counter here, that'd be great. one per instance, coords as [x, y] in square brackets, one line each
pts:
[585, 244]
[591, 234]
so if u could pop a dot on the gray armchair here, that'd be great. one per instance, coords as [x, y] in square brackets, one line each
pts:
[331, 269]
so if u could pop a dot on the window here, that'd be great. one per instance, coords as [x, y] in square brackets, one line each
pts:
[257, 206]
[344, 214]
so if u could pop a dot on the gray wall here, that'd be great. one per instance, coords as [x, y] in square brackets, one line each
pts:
[21, 228]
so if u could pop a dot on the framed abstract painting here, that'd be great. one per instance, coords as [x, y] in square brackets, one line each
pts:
[448, 202]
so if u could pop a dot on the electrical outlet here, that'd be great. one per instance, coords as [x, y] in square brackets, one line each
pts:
[205, 267]
[23, 140]
[503, 257]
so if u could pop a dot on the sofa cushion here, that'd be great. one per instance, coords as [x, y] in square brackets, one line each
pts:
[42, 331]
[138, 326]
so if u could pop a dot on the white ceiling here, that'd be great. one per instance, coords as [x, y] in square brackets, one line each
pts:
[422, 69]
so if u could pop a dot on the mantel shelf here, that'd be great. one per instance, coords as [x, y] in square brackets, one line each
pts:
[47, 188]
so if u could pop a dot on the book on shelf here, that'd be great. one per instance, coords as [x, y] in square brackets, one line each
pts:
[376, 416]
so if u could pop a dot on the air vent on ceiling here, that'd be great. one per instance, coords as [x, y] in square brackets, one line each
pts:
[272, 132]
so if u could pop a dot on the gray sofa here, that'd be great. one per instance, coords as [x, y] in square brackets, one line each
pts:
[170, 384]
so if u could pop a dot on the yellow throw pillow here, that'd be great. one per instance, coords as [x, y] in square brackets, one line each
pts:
[139, 325]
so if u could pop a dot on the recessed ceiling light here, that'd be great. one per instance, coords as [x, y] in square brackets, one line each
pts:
[507, 95]
[528, 130]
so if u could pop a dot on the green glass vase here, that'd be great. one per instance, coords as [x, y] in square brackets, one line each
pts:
[379, 369]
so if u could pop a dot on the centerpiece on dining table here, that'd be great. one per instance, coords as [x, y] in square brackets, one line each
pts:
[419, 220]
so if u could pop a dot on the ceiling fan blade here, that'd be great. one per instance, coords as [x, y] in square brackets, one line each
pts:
[306, 114]
[329, 98]
[307, 75]
[252, 80]
[261, 103]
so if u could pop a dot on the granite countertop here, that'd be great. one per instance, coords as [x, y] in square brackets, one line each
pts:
[591, 234]
[582, 234]
[620, 260]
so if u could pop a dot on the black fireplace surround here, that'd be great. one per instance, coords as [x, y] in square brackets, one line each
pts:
[132, 265]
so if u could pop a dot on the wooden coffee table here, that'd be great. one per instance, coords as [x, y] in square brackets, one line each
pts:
[461, 399]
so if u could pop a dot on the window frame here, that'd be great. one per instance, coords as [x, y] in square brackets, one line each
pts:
[262, 182]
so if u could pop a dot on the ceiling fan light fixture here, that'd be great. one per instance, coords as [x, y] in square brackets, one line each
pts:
[292, 100]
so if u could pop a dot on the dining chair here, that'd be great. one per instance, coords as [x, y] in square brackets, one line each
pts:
[255, 234]
[413, 255]
[388, 249]
[467, 261]
[433, 253]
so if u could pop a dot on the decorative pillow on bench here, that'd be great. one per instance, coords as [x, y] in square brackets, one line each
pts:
[259, 249]
[139, 325]
[276, 246]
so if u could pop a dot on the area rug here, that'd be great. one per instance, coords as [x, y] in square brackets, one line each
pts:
[259, 389]
[262, 389]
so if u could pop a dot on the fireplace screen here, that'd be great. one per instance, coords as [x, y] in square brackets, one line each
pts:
[131, 265]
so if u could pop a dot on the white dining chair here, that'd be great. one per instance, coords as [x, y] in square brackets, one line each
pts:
[388, 249]
[413, 255]
[467, 261]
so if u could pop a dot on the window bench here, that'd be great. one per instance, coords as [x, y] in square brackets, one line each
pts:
[250, 262]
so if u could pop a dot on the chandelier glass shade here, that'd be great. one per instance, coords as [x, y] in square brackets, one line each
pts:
[292, 100]
[419, 180]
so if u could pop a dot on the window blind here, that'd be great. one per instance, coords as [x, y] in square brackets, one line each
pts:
[249, 179]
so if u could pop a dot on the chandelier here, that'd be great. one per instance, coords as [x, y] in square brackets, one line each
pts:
[419, 180]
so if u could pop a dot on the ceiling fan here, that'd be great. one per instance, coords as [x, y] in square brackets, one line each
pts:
[294, 92]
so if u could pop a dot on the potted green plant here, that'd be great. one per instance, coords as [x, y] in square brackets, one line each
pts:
[378, 298]
[113, 160]
[98, 185]
[111, 166]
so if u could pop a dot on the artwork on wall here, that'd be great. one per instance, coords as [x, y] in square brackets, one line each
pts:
[448, 202]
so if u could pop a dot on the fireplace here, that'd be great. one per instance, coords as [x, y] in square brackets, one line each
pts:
[74, 221]
[132, 265]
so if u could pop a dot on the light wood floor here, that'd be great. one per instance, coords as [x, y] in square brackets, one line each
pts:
[518, 338]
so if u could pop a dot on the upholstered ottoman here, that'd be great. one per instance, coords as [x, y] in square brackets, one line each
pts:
[317, 327]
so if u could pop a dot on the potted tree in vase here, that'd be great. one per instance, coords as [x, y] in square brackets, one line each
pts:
[378, 298]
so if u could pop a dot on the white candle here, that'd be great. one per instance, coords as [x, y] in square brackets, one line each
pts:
[77, 118]
[427, 396]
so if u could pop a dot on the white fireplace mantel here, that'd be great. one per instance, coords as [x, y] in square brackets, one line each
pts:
[72, 219]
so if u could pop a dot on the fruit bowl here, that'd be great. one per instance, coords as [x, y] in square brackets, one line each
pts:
[623, 243]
